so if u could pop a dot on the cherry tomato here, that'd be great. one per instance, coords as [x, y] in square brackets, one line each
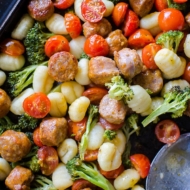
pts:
[106, 125]
[56, 44]
[180, 1]
[140, 38]
[119, 12]
[96, 45]
[36, 137]
[82, 184]
[148, 53]
[90, 155]
[186, 74]
[48, 159]
[63, 4]
[131, 23]
[171, 19]
[167, 131]
[95, 94]
[73, 25]
[160, 4]
[113, 173]
[93, 11]
[12, 47]
[141, 163]
[37, 105]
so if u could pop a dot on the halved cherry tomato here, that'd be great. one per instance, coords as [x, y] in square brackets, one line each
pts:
[160, 5]
[93, 11]
[141, 163]
[73, 25]
[56, 44]
[12, 47]
[106, 125]
[37, 105]
[119, 12]
[95, 94]
[140, 38]
[148, 53]
[96, 45]
[167, 131]
[48, 159]
[186, 74]
[180, 1]
[171, 19]
[90, 155]
[63, 4]
[113, 173]
[82, 184]
[36, 137]
[131, 23]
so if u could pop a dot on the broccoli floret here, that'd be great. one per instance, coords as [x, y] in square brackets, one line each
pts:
[34, 43]
[92, 120]
[42, 183]
[170, 39]
[119, 90]
[88, 171]
[84, 55]
[17, 81]
[179, 6]
[110, 134]
[175, 102]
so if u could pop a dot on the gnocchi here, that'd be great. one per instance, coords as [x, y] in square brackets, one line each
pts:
[109, 7]
[77, 8]
[2, 77]
[187, 46]
[137, 187]
[5, 169]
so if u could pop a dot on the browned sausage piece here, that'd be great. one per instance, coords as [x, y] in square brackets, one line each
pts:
[19, 179]
[129, 62]
[116, 41]
[5, 103]
[101, 70]
[114, 111]
[141, 7]
[187, 18]
[40, 10]
[62, 66]
[14, 145]
[151, 80]
[53, 131]
[102, 28]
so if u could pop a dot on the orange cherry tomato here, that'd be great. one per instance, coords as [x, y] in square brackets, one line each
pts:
[180, 1]
[160, 4]
[95, 94]
[119, 12]
[90, 155]
[186, 74]
[36, 137]
[167, 131]
[56, 44]
[12, 47]
[37, 105]
[113, 173]
[171, 19]
[48, 159]
[73, 25]
[96, 45]
[130, 24]
[141, 163]
[63, 4]
[93, 11]
[148, 54]
[82, 184]
[140, 38]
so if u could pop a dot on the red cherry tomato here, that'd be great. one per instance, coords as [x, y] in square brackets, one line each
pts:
[48, 159]
[37, 105]
[56, 44]
[12, 47]
[160, 4]
[119, 12]
[171, 19]
[95, 94]
[148, 53]
[167, 131]
[82, 184]
[186, 74]
[63, 4]
[180, 1]
[73, 25]
[90, 155]
[140, 38]
[106, 125]
[93, 11]
[36, 137]
[96, 45]
[131, 23]
[141, 163]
